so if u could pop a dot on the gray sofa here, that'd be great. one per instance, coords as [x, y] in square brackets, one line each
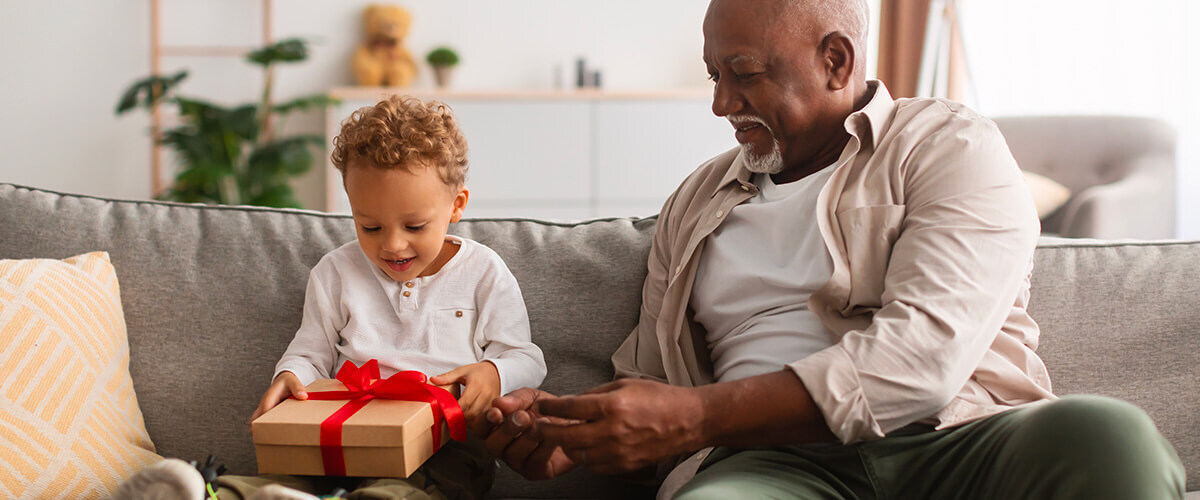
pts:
[212, 296]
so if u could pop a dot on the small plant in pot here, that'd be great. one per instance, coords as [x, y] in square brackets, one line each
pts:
[443, 60]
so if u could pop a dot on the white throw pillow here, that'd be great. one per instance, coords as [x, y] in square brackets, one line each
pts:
[1048, 195]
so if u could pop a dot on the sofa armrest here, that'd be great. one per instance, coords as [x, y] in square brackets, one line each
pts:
[1139, 206]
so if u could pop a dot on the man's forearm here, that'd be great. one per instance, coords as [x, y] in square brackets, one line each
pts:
[769, 409]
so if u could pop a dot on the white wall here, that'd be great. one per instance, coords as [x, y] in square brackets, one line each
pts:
[61, 72]
[1094, 57]
[60, 76]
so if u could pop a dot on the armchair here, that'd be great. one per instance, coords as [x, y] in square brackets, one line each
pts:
[1120, 170]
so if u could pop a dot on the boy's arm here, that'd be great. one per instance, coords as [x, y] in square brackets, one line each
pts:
[312, 353]
[503, 327]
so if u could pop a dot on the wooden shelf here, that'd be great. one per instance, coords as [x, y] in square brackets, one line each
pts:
[361, 93]
[564, 154]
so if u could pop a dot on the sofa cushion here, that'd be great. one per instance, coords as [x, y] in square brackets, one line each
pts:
[69, 418]
[1048, 195]
[1122, 319]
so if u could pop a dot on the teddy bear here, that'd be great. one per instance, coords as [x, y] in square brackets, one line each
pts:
[382, 59]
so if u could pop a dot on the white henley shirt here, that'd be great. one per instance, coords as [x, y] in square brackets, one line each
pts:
[471, 310]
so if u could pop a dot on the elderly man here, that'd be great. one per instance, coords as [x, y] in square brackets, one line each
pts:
[837, 309]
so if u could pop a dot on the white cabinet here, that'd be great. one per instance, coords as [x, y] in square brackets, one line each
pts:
[568, 155]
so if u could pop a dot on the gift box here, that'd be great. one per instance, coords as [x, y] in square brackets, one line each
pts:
[358, 425]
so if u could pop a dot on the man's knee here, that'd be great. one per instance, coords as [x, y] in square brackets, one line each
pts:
[1101, 443]
[1087, 424]
[772, 473]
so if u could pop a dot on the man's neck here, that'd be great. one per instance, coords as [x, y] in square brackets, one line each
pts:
[834, 145]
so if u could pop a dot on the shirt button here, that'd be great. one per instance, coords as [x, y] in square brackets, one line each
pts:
[409, 284]
[678, 269]
[720, 213]
[744, 188]
[406, 294]
[457, 314]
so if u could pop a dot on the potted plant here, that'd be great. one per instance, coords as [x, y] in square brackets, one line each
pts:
[443, 59]
[228, 155]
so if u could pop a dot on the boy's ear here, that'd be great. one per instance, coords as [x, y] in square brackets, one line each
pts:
[460, 204]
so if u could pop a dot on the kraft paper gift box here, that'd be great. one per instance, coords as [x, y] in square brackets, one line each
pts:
[382, 438]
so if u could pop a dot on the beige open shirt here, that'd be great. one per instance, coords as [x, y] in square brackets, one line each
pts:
[932, 231]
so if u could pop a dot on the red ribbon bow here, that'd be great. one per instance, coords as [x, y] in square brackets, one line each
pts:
[362, 385]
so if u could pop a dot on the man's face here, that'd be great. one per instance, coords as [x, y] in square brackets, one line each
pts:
[769, 82]
[402, 217]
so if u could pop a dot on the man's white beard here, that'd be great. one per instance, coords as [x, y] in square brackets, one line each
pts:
[770, 163]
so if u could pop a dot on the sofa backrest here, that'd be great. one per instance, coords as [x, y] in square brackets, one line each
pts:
[212, 296]
[1122, 319]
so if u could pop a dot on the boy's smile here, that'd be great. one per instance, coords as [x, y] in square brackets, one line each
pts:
[401, 218]
[400, 265]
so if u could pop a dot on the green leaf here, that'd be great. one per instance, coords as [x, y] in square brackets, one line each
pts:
[241, 121]
[203, 115]
[286, 51]
[282, 158]
[189, 145]
[304, 103]
[216, 122]
[202, 174]
[442, 56]
[149, 90]
[277, 195]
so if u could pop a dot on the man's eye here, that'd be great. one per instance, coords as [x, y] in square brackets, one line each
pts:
[370, 229]
[415, 228]
[745, 76]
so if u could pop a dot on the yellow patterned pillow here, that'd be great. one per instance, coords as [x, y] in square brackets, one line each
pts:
[70, 426]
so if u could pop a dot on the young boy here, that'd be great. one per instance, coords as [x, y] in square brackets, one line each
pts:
[407, 294]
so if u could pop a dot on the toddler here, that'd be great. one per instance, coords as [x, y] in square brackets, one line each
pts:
[405, 293]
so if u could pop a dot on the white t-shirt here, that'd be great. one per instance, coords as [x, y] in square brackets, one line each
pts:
[469, 311]
[755, 276]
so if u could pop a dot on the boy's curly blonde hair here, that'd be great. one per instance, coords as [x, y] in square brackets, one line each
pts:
[405, 133]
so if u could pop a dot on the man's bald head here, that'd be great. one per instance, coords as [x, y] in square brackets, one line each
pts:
[818, 18]
[814, 19]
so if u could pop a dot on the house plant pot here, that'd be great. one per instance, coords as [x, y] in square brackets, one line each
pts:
[443, 60]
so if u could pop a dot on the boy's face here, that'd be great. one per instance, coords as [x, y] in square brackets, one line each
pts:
[402, 217]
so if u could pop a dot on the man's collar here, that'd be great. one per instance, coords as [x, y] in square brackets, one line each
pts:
[875, 114]
[737, 171]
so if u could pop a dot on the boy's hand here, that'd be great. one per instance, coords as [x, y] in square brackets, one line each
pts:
[481, 384]
[284, 385]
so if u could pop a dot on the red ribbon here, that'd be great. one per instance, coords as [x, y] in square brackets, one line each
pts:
[362, 385]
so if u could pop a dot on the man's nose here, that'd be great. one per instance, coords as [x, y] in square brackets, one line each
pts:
[726, 101]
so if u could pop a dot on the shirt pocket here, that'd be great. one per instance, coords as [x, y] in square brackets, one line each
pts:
[869, 233]
[455, 334]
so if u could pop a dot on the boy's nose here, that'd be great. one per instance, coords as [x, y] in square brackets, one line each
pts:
[395, 243]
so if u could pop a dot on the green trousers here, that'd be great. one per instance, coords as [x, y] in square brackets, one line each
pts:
[458, 471]
[1078, 447]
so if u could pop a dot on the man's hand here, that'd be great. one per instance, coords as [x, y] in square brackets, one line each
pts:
[481, 384]
[626, 425]
[513, 433]
[285, 384]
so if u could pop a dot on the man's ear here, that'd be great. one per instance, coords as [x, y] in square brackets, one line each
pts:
[459, 204]
[839, 54]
